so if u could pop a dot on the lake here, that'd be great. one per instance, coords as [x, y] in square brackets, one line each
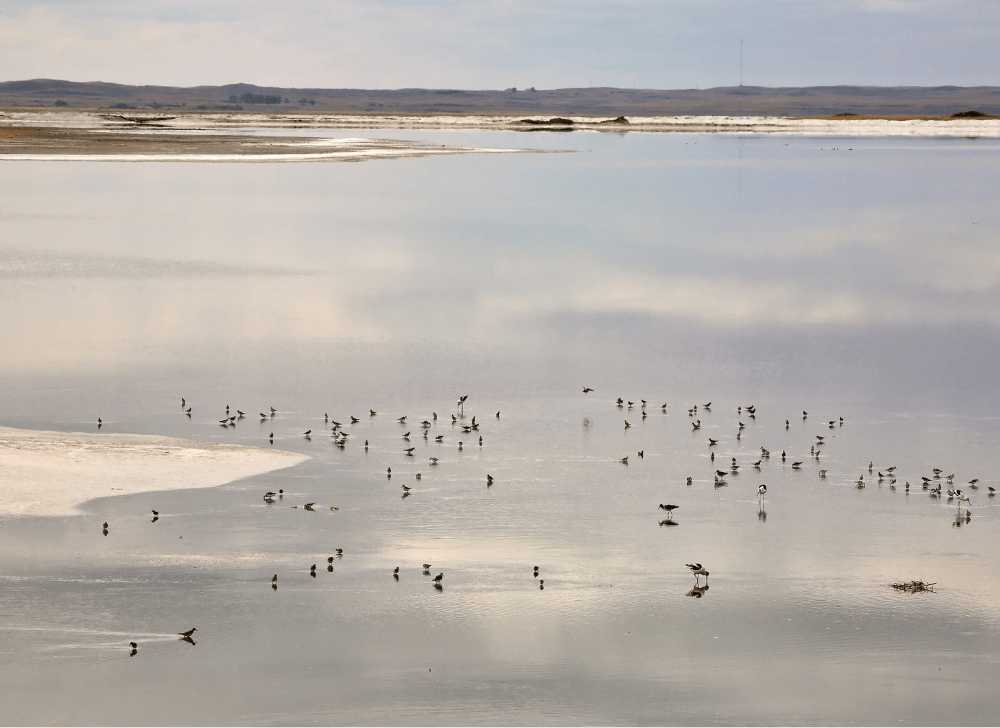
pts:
[854, 278]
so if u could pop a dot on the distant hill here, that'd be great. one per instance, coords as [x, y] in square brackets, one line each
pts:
[726, 101]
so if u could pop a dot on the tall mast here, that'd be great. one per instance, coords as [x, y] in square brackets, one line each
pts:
[741, 63]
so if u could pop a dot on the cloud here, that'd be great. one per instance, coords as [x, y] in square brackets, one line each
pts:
[551, 43]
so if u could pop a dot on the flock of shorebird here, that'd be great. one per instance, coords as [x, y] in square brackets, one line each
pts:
[933, 484]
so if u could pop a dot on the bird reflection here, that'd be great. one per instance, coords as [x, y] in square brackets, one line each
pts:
[761, 514]
[961, 520]
[188, 640]
[697, 592]
[669, 522]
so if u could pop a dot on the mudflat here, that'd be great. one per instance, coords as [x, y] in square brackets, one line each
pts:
[93, 143]
[52, 473]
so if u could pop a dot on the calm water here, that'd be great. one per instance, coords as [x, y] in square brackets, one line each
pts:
[853, 278]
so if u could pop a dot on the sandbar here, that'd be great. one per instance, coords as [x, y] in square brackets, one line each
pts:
[53, 473]
[114, 144]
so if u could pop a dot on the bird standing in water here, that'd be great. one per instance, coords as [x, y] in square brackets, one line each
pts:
[698, 570]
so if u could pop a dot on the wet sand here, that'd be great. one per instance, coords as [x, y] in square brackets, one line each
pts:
[64, 143]
[52, 473]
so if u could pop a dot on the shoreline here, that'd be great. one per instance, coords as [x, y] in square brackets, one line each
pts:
[45, 473]
[34, 142]
[95, 136]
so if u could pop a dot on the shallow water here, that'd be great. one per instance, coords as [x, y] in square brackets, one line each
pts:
[848, 278]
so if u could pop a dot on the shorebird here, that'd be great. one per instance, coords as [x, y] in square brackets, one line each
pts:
[427, 566]
[587, 390]
[489, 480]
[189, 632]
[707, 406]
[689, 480]
[354, 419]
[962, 497]
[641, 453]
[340, 552]
[798, 465]
[395, 572]
[434, 461]
[696, 425]
[761, 490]
[698, 570]
[183, 401]
[438, 578]
[372, 413]
[822, 473]
[712, 442]
[409, 451]
[402, 419]
[627, 425]
[624, 460]
[668, 507]
[156, 513]
[273, 410]
[309, 506]
[307, 433]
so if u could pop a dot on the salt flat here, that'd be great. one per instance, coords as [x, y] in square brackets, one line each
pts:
[52, 473]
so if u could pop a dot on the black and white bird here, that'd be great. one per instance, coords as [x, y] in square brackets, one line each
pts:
[698, 570]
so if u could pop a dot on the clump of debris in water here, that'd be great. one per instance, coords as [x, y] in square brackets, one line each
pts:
[914, 586]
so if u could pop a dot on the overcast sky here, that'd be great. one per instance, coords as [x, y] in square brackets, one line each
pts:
[501, 43]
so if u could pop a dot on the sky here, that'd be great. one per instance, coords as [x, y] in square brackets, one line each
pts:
[495, 44]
